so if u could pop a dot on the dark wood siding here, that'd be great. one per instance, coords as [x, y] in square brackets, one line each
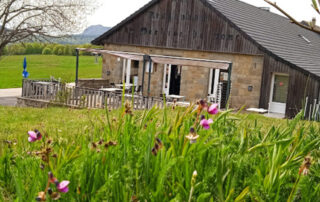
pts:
[182, 24]
[300, 85]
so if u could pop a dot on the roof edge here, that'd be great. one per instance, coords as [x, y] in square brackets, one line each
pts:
[262, 48]
[98, 40]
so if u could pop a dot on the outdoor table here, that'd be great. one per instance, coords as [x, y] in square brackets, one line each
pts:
[183, 104]
[127, 86]
[130, 95]
[180, 104]
[177, 97]
[110, 89]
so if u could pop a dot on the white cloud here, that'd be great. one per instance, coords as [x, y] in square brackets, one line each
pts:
[111, 12]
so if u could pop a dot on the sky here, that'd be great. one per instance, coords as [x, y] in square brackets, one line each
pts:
[111, 12]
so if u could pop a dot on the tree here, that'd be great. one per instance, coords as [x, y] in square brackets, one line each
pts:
[311, 26]
[46, 51]
[41, 19]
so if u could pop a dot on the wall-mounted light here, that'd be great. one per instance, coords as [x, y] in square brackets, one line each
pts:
[118, 59]
[250, 88]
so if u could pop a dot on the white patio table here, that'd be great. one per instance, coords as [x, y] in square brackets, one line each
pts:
[110, 89]
[177, 97]
[127, 86]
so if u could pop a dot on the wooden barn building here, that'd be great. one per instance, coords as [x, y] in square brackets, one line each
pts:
[275, 63]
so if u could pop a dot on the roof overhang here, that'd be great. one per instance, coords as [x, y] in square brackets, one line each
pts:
[164, 59]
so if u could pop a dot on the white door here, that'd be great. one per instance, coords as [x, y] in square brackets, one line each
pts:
[279, 93]
[213, 95]
[126, 71]
[213, 82]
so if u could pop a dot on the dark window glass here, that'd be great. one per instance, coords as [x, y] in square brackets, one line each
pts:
[280, 88]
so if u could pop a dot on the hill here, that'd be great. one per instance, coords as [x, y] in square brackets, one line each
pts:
[95, 30]
[85, 37]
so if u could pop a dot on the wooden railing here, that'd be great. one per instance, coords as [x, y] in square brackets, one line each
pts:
[312, 110]
[57, 92]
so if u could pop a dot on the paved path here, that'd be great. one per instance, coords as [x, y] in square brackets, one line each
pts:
[8, 97]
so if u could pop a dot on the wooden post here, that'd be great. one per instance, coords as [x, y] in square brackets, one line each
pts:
[23, 89]
[145, 58]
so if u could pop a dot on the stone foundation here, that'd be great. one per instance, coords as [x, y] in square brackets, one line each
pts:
[27, 102]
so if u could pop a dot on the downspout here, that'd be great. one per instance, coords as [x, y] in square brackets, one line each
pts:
[77, 65]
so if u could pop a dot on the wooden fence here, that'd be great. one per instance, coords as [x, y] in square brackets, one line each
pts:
[56, 92]
[312, 110]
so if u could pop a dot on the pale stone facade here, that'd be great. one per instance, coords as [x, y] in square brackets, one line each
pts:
[246, 71]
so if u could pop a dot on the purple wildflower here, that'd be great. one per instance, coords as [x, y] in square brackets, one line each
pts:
[213, 109]
[63, 186]
[34, 136]
[206, 123]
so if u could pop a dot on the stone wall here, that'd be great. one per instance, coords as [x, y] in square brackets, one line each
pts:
[194, 82]
[93, 83]
[156, 80]
[28, 102]
[112, 68]
[246, 72]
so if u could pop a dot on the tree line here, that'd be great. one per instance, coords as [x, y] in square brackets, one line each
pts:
[44, 49]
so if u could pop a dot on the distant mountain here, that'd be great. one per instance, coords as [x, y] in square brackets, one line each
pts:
[85, 37]
[95, 30]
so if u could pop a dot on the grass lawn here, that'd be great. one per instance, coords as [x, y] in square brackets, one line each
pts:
[145, 156]
[44, 66]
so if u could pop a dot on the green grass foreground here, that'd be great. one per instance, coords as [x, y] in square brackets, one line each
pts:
[44, 66]
[242, 157]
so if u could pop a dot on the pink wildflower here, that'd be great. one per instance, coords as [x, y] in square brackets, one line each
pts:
[213, 109]
[63, 186]
[206, 123]
[34, 136]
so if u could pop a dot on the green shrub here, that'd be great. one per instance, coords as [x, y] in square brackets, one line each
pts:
[47, 51]
[67, 50]
[58, 49]
[37, 48]
[29, 48]
[5, 51]
[16, 49]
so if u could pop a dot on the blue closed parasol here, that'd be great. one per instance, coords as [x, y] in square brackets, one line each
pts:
[25, 74]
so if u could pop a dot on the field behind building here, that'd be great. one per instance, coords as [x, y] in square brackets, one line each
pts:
[44, 66]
